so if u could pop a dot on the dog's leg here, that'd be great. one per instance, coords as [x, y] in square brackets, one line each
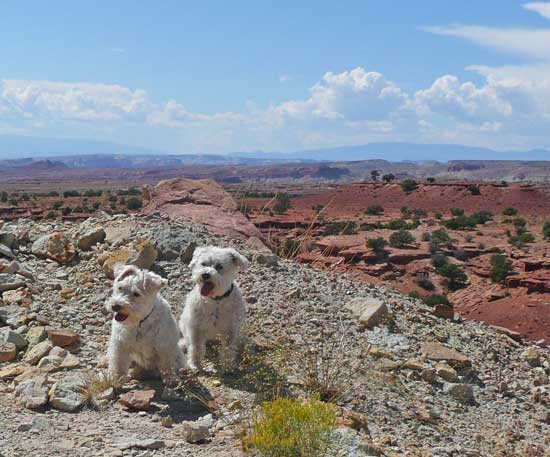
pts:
[119, 360]
[229, 349]
[195, 352]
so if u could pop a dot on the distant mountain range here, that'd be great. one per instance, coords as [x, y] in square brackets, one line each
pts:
[75, 153]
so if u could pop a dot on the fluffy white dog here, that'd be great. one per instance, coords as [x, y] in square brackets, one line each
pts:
[144, 332]
[215, 308]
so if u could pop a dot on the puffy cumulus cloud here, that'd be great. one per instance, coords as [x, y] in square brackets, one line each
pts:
[351, 95]
[543, 8]
[464, 101]
[73, 101]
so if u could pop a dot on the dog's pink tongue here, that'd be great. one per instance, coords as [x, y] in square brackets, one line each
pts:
[119, 317]
[206, 288]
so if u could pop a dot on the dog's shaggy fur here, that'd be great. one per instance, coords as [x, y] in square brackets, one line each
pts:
[144, 332]
[215, 308]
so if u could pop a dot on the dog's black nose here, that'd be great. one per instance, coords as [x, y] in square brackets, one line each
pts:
[206, 276]
[116, 308]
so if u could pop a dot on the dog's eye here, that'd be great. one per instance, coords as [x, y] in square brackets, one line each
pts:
[218, 267]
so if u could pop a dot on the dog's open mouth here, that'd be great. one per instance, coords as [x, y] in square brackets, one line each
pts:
[120, 317]
[206, 289]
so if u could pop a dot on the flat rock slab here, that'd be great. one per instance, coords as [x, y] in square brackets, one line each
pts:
[10, 281]
[137, 399]
[141, 444]
[369, 311]
[439, 353]
[63, 337]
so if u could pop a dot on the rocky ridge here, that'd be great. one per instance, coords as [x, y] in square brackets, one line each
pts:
[424, 385]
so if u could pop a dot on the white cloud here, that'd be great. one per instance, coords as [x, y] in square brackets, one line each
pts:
[118, 50]
[543, 8]
[285, 78]
[73, 101]
[351, 95]
[532, 43]
[464, 101]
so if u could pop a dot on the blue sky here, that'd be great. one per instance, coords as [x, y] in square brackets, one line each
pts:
[228, 76]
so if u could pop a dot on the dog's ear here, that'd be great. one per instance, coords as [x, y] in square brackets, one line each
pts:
[153, 282]
[196, 254]
[238, 259]
[122, 271]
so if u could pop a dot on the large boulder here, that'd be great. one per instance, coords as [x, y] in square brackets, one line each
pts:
[68, 394]
[90, 237]
[202, 201]
[56, 246]
[32, 393]
[369, 311]
[140, 253]
[174, 243]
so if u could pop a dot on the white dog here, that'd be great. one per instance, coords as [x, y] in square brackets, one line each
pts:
[144, 332]
[215, 308]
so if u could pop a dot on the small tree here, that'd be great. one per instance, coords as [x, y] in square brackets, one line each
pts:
[283, 203]
[375, 210]
[409, 185]
[66, 211]
[546, 230]
[455, 276]
[3, 196]
[57, 204]
[388, 177]
[377, 244]
[431, 180]
[437, 299]
[425, 283]
[500, 267]
[401, 238]
[509, 211]
[457, 212]
[440, 238]
[474, 190]
[375, 174]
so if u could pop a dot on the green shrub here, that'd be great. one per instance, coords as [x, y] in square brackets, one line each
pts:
[388, 177]
[457, 211]
[509, 211]
[396, 224]
[317, 208]
[401, 238]
[430, 179]
[96, 205]
[520, 240]
[438, 215]
[291, 248]
[282, 204]
[437, 299]
[341, 228]
[134, 203]
[375, 174]
[500, 267]
[409, 185]
[425, 283]
[292, 428]
[455, 278]
[474, 190]
[426, 236]
[3, 196]
[414, 294]
[112, 198]
[53, 193]
[546, 230]
[376, 244]
[57, 205]
[440, 238]
[13, 202]
[438, 260]
[375, 210]
[78, 209]
[71, 193]
[66, 211]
